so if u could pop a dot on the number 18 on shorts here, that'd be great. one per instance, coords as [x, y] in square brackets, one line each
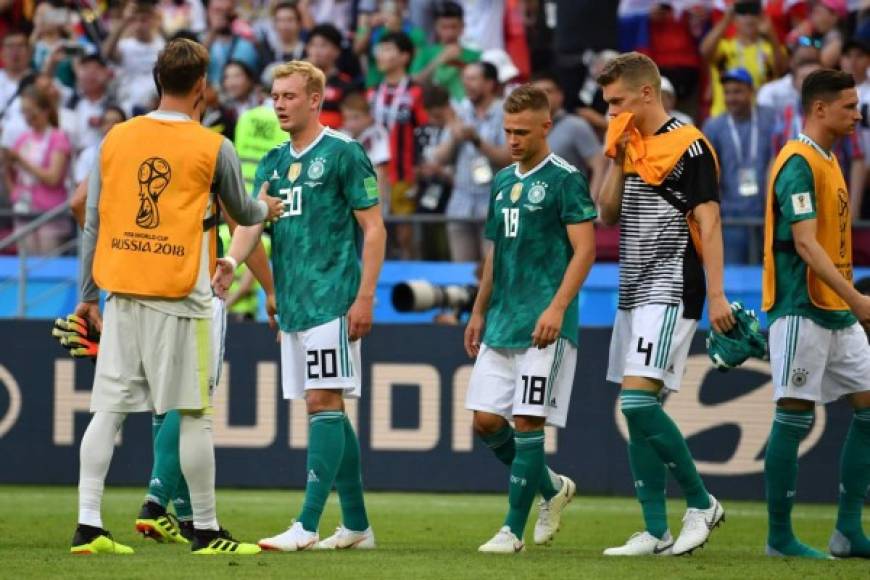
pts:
[527, 381]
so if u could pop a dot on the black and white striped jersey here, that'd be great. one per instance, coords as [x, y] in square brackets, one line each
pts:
[657, 262]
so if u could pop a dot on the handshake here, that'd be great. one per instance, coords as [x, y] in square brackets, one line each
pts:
[75, 334]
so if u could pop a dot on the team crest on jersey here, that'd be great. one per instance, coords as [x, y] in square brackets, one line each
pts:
[315, 170]
[516, 192]
[294, 171]
[799, 377]
[538, 192]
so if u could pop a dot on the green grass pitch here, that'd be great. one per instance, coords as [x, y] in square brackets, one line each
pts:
[420, 537]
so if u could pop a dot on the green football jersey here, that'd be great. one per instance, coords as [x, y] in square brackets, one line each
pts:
[315, 242]
[527, 218]
[795, 180]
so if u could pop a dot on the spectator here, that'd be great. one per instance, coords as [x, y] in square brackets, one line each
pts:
[484, 24]
[85, 161]
[240, 93]
[90, 100]
[823, 23]
[475, 144]
[324, 50]
[434, 180]
[389, 18]
[442, 62]
[178, 15]
[784, 91]
[673, 45]
[336, 12]
[397, 105]
[755, 48]
[225, 40]
[571, 137]
[742, 138]
[855, 61]
[16, 60]
[51, 42]
[592, 106]
[37, 166]
[669, 101]
[135, 56]
[282, 37]
[257, 132]
[358, 123]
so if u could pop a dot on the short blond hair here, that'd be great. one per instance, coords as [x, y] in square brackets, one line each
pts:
[634, 68]
[315, 80]
[526, 97]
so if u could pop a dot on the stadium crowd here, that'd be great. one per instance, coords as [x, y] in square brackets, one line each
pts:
[420, 84]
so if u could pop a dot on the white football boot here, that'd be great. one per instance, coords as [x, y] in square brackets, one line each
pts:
[294, 539]
[504, 542]
[697, 526]
[644, 544]
[345, 539]
[550, 512]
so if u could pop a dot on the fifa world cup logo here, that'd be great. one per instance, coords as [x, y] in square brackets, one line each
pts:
[154, 176]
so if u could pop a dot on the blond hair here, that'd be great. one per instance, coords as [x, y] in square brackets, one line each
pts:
[634, 68]
[526, 97]
[315, 80]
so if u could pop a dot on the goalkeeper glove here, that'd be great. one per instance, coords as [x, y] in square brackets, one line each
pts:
[75, 334]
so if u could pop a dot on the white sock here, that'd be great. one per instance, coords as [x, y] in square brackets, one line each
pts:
[95, 455]
[196, 449]
[554, 477]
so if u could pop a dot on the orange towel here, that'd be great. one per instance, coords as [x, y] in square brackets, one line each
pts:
[652, 157]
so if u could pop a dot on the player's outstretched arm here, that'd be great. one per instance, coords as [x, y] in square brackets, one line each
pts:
[811, 252]
[242, 244]
[78, 201]
[257, 262]
[474, 328]
[549, 325]
[609, 197]
[710, 224]
[361, 312]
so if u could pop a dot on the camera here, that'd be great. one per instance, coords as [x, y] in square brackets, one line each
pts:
[420, 295]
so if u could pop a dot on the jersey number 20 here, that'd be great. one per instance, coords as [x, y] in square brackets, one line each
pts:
[292, 200]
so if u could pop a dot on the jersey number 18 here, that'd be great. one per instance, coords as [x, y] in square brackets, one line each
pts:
[511, 221]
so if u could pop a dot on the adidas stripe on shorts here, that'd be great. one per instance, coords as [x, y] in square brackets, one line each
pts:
[651, 341]
[814, 363]
[321, 357]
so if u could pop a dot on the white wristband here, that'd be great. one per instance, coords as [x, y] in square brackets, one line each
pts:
[232, 261]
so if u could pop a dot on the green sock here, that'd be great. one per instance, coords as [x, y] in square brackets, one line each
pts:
[642, 409]
[854, 480]
[649, 472]
[166, 471]
[502, 445]
[325, 449]
[526, 471]
[780, 476]
[181, 501]
[348, 483]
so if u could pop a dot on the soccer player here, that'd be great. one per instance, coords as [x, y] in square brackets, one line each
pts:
[661, 184]
[818, 350]
[149, 242]
[540, 222]
[325, 300]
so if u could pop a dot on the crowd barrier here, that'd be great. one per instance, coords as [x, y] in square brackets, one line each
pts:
[414, 430]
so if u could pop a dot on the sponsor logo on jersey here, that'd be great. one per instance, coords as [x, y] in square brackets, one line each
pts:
[315, 170]
[516, 192]
[275, 176]
[294, 171]
[312, 476]
[499, 196]
[533, 208]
